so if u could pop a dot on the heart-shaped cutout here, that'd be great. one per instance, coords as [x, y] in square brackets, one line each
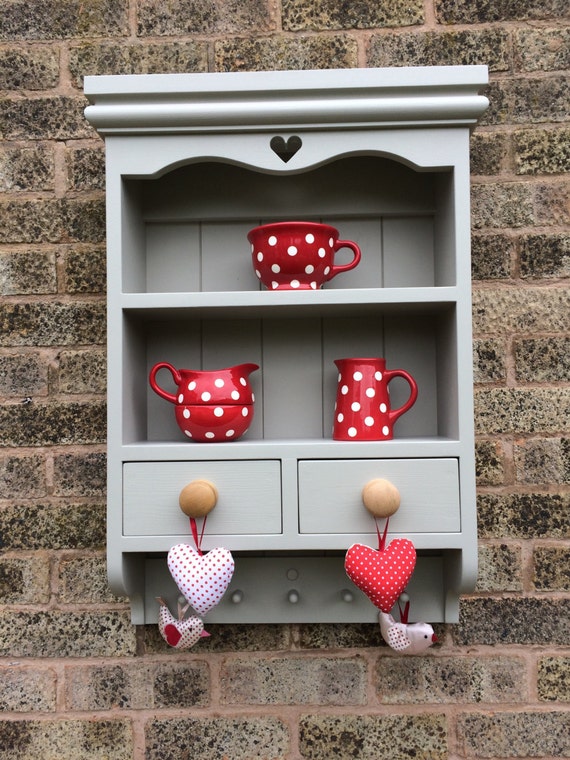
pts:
[286, 149]
[201, 578]
[180, 634]
[381, 574]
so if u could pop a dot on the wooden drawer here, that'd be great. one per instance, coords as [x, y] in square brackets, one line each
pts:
[249, 500]
[330, 495]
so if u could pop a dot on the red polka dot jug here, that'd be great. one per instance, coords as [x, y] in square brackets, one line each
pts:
[298, 255]
[210, 405]
[362, 410]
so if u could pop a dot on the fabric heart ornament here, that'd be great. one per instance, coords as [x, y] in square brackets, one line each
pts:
[382, 574]
[180, 634]
[201, 578]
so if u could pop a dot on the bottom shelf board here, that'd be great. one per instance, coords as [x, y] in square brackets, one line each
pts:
[263, 590]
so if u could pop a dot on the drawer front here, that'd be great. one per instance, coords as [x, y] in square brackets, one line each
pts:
[249, 497]
[330, 495]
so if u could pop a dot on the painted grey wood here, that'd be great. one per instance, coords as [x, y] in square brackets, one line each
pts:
[320, 582]
[181, 286]
[249, 497]
[330, 495]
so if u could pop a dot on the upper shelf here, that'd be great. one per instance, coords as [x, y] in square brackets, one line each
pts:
[350, 301]
[242, 102]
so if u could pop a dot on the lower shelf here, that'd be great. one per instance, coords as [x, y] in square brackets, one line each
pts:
[298, 589]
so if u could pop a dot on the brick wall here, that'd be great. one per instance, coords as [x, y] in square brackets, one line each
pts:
[77, 680]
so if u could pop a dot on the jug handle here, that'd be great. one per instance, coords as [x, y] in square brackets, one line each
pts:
[156, 387]
[337, 269]
[389, 374]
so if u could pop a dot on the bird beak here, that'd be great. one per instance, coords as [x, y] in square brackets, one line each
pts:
[433, 638]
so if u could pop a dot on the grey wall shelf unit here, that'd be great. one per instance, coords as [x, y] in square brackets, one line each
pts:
[382, 154]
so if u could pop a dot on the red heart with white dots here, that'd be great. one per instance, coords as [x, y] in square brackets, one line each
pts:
[381, 574]
[201, 578]
[180, 634]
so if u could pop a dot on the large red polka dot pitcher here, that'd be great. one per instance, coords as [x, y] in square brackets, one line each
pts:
[362, 410]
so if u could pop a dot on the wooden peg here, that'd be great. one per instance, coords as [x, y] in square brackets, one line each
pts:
[380, 497]
[198, 498]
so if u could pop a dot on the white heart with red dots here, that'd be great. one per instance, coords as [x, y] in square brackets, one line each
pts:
[381, 574]
[201, 578]
[180, 634]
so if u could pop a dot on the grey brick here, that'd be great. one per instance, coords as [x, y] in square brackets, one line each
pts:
[86, 168]
[543, 49]
[23, 375]
[450, 680]
[67, 634]
[500, 568]
[207, 17]
[451, 48]
[86, 739]
[503, 310]
[551, 568]
[523, 411]
[37, 424]
[284, 53]
[52, 323]
[24, 580]
[542, 360]
[43, 118]
[489, 361]
[227, 638]
[82, 371]
[523, 515]
[22, 476]
[545, 151]
[515, 204]
[26, 169]
[491, 256]
[67, 526]
[545, 256]
[79, 474]
[99, 58]
[63, 19]
[291, 680]
[369, 737]
[27, 690]
[31, 272]
[514, 734]
[252, 738]
[489, 11]
[527, 101]
[298, 15]
[489, 463]
[490, 153]
[553, 682]
[83, 580]
[84, 270]
[35, 68]
[542, 460]
[525, 621]
[52, 221]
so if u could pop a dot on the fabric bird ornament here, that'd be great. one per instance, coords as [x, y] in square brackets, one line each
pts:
[407, 638]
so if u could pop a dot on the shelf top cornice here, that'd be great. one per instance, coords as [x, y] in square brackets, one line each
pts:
[298, 100]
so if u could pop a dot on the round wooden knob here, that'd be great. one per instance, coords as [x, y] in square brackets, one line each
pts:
[198, 498]
[381, 498]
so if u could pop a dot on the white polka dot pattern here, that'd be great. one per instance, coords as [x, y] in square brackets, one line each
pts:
[381, 575]
[201, 579]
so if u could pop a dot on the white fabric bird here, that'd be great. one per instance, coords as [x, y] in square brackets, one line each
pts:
[408, 638]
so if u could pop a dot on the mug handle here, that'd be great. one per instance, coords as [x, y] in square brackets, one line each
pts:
[351, 264]
[156, 387]
[389, 374]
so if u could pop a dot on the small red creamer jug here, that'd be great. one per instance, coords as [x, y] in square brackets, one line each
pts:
[362, 410]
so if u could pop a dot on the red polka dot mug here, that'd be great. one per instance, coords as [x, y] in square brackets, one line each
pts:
[210, 405]
[362, 409]
[298, 255]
